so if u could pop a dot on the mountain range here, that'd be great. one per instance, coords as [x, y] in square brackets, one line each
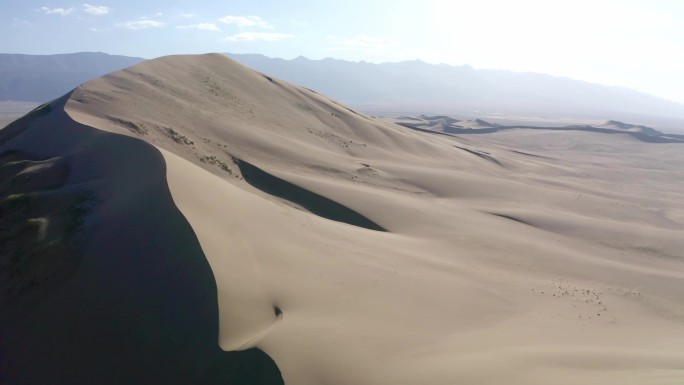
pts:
[39, 78]
[403, 87]
[416, 86]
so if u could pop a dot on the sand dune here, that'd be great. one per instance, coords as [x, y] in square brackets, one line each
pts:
[229, 208]
[442, 124]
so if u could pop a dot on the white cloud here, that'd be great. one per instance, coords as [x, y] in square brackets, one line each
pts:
[245, 21]
[201, 26]
[141, 24]
[254, 36]
[56, 11]
[96, 10]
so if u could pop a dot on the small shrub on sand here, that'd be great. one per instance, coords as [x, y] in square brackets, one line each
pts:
[213, 160]
[178, 137]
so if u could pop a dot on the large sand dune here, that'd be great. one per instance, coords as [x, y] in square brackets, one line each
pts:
[349, 250]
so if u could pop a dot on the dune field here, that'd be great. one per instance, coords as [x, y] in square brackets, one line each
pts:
[191, 221]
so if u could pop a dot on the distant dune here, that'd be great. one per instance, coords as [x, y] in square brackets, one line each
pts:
[189, 220]
[620, 126]
[447, 125]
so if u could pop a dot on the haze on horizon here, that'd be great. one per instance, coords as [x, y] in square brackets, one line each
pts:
[633, 44]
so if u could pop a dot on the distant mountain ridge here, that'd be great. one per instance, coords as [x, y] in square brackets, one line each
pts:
[405, 87]
[39, 78]
[416, 86]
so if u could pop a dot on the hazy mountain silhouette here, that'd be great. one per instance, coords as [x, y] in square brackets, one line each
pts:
[415, 86]
[41, 78]
[405, 87]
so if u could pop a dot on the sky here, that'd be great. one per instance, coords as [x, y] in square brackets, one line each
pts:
[633, 44]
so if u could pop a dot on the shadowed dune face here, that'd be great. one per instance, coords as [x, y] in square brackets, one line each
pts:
[311, 201]
[39, 220]
[481, 154]
[23, 123]
[512, 218]
[103, 280]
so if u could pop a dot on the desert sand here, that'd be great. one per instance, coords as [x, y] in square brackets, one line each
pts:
[12, 110]
[352, 250]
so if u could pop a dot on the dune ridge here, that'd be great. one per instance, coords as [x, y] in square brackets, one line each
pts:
[524, 257]
[96, 293]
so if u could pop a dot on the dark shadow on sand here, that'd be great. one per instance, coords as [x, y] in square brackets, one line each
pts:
[512, 218]
[316, 204]
[485, 156]
[136, 301]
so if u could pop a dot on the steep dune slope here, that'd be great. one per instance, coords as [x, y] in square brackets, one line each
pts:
[103, 280]
[212, 100]
[356, 251]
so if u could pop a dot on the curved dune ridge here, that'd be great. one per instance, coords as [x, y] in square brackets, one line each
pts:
[221, 207]
[103, 280]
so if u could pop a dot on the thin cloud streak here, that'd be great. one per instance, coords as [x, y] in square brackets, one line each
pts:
[141, 24]
[200, 26]
[56, 11]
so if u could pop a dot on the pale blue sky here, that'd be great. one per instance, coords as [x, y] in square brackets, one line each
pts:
[635, 44]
